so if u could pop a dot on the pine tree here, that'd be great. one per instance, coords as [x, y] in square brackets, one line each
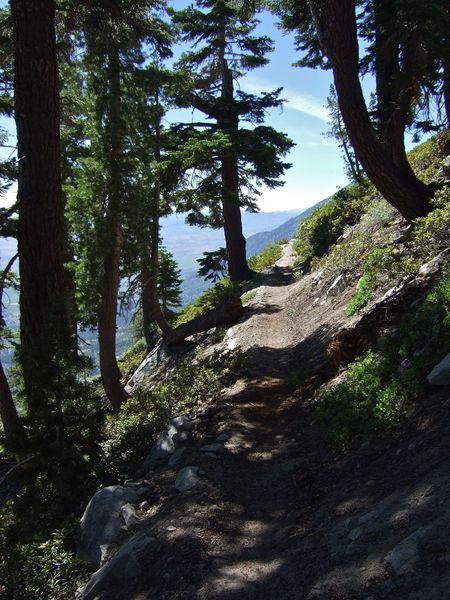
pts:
[169, 284]
[397, 36]
[224, 49]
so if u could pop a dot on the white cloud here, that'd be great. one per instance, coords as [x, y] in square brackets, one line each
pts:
[293, 198]
[304, 103]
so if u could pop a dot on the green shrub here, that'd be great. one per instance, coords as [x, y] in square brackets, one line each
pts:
[132, 358]
[211, 298]
[130, 434]
[372, 397]
[267, 257]
[38, 570]
[316, 234]
[431, 234]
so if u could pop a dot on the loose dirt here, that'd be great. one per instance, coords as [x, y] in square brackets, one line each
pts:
[277, 514]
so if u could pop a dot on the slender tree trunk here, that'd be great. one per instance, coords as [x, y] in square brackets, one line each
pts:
[238, 268]
[336, 25]
[107, 316]
[151, 308]
[44, 327]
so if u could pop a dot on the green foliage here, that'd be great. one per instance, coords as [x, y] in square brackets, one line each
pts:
[212, 297]
[425, 157]
[266, 258]
[372, 397]
[316, 234]
[362, 404]
[132, 358]
[41, 570]
[248, 297]
[130, 434]
[431, 234]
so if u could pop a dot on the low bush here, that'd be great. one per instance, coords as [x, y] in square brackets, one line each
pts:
[130, 434]
[372, 398]
[316, 234]
[267, 257]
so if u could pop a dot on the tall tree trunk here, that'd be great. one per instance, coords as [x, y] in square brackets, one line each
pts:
[238, 268]
[151, 308]
[446, 92]
[44, 323]
[336, 25]
[107, 316]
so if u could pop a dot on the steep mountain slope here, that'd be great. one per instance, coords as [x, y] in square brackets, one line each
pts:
[256, 505]
[256, 242]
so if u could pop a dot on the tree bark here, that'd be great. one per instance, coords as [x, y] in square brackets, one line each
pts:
[151, 308]
[228, 311]
[44, 322]
[107, 316]
[238, 268]
[336, 25]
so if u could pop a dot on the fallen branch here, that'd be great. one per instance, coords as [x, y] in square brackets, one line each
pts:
[16, 467]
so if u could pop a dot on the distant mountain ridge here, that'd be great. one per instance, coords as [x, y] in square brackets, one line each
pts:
[256, 242]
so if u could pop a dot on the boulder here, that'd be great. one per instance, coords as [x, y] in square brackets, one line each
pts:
[177, 434]
[403, 557]
[440, 375]
[338, 286]
[102, 519]
[130, 562]
[186, 479]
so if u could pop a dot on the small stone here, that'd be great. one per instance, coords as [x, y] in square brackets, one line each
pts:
[176, 457]
[355, 533]
[182, 424]
[368, 517]
[440, 375]
[186, 479]
[404, 556]
[144, 506]
[129, 515]
[171, 528]
[212, 448]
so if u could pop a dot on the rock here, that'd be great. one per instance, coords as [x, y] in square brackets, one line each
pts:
[148, 366]
[368, 517]
[212, 448]
[102, 520]
[223, 437]
[182, 424]
[338, 286]
[182, 438]
[131, 561]
[129, 515]
[440, 375]
[446, 404]
[434, 265]
[176, 457]
[404, 556]
[355, 533]
[186, 479]
[144, 506]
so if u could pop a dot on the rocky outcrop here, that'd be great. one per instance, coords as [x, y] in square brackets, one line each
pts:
[130, 562]
[440, 375]
[102, 521]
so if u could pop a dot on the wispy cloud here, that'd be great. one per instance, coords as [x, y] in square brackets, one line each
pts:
[304, 103]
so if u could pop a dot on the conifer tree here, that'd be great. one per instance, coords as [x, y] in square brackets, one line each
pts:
[224, 49]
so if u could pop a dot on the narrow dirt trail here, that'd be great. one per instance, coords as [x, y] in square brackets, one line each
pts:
[275, 514]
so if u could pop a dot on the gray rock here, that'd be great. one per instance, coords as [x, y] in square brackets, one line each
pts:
[368, 517]
[176, 457]
[157, 356]
[404, 556]
[102, 520]
[131, 561]
[182, 438]
[338, 286]
[433, 265]
[355, 533]
[440, 375]
[129, 515]
[182, 423]
[186, 479]
[212, 448]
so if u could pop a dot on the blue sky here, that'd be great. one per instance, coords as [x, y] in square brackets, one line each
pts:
[317, 169]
